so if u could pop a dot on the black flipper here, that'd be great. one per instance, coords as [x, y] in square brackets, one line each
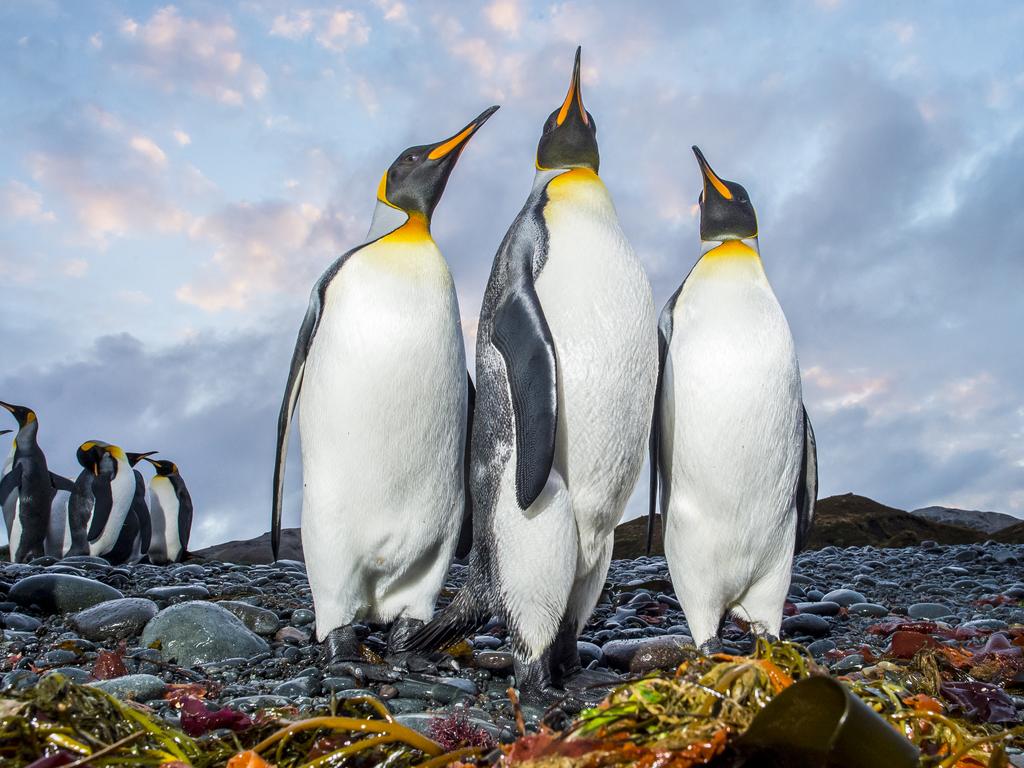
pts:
[184, 515]
[522, 336]
[654, 446]
[10, 482]
[284, 419]
[807, 487]
[463, 615]
[102, 505]
[466, 532]
[58, 482]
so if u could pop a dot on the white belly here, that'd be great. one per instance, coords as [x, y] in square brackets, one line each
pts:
[382, 425]
[165, 545]
[122, 490]
[597, 302]
[58, 533]
[731, 419]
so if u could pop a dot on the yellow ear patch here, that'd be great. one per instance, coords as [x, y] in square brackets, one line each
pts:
[30, 417]
[438, 152]
[87, 446]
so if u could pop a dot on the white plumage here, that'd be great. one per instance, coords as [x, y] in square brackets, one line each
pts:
[732, 444]
[382, 414]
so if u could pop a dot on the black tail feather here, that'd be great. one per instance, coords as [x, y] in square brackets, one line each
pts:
[454, 623]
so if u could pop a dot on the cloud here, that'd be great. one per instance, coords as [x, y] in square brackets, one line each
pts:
[334, 30]
[149, 150]
[186, 54]
[181, 137]
[505, 16]
[20, 201]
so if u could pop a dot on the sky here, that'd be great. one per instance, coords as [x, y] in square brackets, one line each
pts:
[174, 178]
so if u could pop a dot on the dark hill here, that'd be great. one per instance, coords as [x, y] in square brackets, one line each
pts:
[1014, 534]
[986, 522]
[842, 521]
[254, 550]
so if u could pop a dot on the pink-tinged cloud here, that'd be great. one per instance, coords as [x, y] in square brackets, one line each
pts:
[334, 30]
[20, 201]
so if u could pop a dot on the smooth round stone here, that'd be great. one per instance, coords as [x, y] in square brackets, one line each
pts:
[114, 619]
[57, 657]
[61, 593]
[97, 562]
[665, 652]
[873, 610]
[292, 636]
[177, 593]
[820, 647]
[302, 617]
[199, 632]
[823, 608]
[339, 683]
[928, 611]
[486, 642]
[805, 624]
[496, 661]
[74, 674]
[250, 704]
[850, 663]
[844, 597]
[423, 722]
[190, 571]
[588, 652]
[298, 686]
[259, 620]
[18, 680]
[136, 687]
[955, 570]
[985, 625]
[619, 654]
[20, 622]
[815, 594]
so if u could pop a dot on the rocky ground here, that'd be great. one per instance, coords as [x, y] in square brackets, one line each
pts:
[243, 635]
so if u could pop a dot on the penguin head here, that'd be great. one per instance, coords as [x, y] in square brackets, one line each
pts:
[416, 180]
[164, 468]
[25, 416]
[99, 457]
[135, 458]
[569, 139]
[725, 209]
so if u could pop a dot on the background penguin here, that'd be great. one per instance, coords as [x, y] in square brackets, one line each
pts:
[26, 489]
[58, 532]
[566, 372]
[379, 378]
[170, 512]
[731, 442]
[139, 510]
[104, 500]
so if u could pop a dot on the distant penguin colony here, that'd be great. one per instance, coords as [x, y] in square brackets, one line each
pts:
[102, 513]
[406, 463]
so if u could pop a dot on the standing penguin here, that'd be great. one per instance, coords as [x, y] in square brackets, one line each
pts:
[58, 532]
[170, 512]
[103, 502]
[26, 489]
[731, 442]
[143, 526]
[567, 362]
[379, 378]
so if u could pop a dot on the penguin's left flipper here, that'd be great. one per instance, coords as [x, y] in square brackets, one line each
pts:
[654, 446]
[60, 483]
[465, 542]
[184, 515]
[10, 481]
[291, 396]
[807, 487]
[522, 336]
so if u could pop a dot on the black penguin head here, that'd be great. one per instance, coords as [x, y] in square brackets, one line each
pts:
[164, 468]
[95, 455]
[135, 458]
[24, 415]
[570, 133]
[725, 209]
[416, 180]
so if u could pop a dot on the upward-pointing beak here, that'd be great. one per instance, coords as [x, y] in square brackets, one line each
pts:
[574, 96]
[455, 144]
[710, 177]
[8, 406]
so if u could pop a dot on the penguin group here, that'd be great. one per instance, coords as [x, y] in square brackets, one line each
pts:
[102, 513]
[406, 459]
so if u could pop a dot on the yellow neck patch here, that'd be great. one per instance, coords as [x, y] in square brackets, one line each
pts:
[415, 230]
[732, 249]
[563, 183]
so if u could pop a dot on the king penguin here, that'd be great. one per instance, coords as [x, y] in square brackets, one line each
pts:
[103, 501]
[731, 442]
[27, 489]
[379, 379]
[567, 363]
[58, 532]
[170, 512]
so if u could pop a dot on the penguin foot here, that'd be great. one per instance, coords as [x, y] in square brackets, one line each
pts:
[592, 679]
[712, 646]
[401, 631]
[341, 645]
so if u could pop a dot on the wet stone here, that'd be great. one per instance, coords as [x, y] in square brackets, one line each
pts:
[496, 661]
[844, 597]
[259, 620]
[20, 622]
[805, 624]
[74, 674]
[928, 611]
[135, 687]
[199, 632]
[178, 593]
[665, 652]
[823, 608]
[61, 593]
[298, 686]
[114, 619]
[868, 609]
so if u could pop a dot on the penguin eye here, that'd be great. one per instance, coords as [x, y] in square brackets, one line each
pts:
[410, 158]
